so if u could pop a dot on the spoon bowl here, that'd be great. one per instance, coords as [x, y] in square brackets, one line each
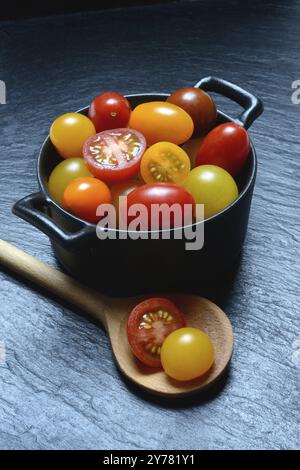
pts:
[200, 313]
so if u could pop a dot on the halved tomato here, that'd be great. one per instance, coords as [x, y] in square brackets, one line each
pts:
[165, 162]
[114, 155]
[149, 323]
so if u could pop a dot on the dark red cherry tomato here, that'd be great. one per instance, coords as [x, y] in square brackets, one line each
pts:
[227, 146]
[114, 155]
[150, 195]
[199, 105]
[149, 323]
[109, 111]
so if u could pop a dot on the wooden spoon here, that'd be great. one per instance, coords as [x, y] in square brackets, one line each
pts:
[112, 314]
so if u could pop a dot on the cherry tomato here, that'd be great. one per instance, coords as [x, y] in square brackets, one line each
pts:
[227, 146]
[187, 353]
[212, 186]
[191, 147]
[157, 194]
[123, 189]
[198, 105]
[69, 132]
[165, 162]
[149, 323]
[63, 174]
[109, 111]
[114, 155]
[160, 121]
[83, 195]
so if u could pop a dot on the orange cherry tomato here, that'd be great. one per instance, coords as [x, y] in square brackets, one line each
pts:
[83, 195]
[160, 121]
[165, 162]
[69, 132]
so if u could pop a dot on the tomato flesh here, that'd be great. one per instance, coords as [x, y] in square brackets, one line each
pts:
[165, 162]
[114, 155]
[149, 323]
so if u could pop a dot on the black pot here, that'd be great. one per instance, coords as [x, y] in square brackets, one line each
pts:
[126, 266]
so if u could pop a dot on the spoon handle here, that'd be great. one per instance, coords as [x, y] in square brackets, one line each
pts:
[54, 281]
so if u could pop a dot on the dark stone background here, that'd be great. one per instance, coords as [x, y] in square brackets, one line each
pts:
[11, 9]
[59, 387]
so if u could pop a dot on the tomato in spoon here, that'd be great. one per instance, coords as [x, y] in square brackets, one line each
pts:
[149, 323]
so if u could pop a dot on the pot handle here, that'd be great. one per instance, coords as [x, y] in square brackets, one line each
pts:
[30, 208]
[253, 106]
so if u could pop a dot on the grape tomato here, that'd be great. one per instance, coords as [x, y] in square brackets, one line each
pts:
[199, 105]
[150, 195]
[69, 132]
[160, 121]
[227, 146]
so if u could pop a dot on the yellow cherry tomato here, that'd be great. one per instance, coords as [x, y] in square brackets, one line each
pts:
[191, 147]
[212, 186]
[69, 132]
[160, 121]
[165, 162]
[187, 353]
[63, 174]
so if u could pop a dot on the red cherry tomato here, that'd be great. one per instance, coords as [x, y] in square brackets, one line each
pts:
[109, 111]
[149, 323]
[227, 146]
[114, 155]
[157, 194]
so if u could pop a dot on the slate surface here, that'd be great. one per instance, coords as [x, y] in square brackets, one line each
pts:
[59, 387]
